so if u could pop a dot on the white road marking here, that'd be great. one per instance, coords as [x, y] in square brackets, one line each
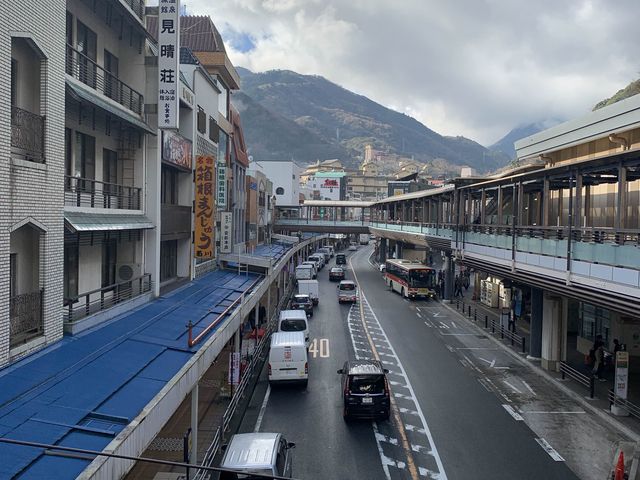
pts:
[491, 364]
[384, 438]
[263, 408]
[418, 314]
[457, 334]
[511, 386]
[454, 324]
[385, 465]
[436, 314]
[450, 348]
[428, 324]
[476, 348]
[558, 412]
[516, 416]
[444, 325]
[549, 449]
[528, 387]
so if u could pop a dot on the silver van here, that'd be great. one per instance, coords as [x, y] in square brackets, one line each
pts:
[265, 453]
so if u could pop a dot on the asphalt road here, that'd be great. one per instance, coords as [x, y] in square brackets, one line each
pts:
[445, 422]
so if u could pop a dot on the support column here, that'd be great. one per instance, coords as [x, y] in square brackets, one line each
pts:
[519, 215]
[194, 424]
[621, 201]
[535, 339]
[448, 268]
[398, 249]
[500, 202]
[545, 202]
[552, 334]
[268, 304]
[382, 250]
[577, 221]
[483, 207]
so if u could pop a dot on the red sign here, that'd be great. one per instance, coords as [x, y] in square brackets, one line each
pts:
[176, 149]
[330, 183]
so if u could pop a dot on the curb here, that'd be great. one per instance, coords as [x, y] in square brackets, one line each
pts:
[542, 373]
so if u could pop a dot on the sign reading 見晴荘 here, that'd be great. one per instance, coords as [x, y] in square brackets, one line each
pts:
[168, 62]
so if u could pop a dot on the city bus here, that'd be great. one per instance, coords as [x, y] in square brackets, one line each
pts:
[410, 278]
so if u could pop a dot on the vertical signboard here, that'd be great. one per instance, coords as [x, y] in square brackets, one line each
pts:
[225, 232]
[234, 368]
[168, 62]
[204, 207]
[622, 374]
[222, 186]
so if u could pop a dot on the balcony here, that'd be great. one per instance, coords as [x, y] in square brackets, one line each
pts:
[137, 6]
[101, 299]
[82, 68]
[26, 317]
[27, 135]
[83, 192]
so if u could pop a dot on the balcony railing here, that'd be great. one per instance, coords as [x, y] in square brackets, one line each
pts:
[137, 6]
[81, 67]
[25, 312]
[27, 135]
[83, 192]
[101, 299]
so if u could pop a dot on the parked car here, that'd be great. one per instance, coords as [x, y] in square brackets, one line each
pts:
[288, 358]
[365, 390]
[313, 264]
[265, 453]
[326, 252]
[309, 287]
[347, 291]
[305, 272]
[341, 259]
[336, 273]
[319, 259]
[353, 247]
[302, 302]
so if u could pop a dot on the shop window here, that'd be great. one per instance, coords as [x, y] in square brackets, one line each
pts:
[202, 121]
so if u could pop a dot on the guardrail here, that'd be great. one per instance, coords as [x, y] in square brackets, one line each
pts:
[632, 408]
[86, 192]
[587, 381]
[495, 325]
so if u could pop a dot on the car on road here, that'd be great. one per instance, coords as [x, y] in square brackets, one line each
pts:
[347, 291]
[353, 247]
[258, 452]
[288, 358]
[336, 273]
[319, 259]
[302, 301]
[382, 267]
[365, 390]
[294, 321]
[313, 264]
[341, 259]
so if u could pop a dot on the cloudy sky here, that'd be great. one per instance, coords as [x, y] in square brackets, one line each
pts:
[462, 67]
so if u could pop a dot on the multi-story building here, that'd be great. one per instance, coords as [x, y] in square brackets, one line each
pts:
[327, 185]
[32, 95]
[110, 246]
[259, 202]
[285, 176]
[239, 162]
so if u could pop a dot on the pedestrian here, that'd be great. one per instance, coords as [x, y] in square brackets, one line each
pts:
[466, 280]
[457, 287]
[598, 366]
[441, 284]
[512, 322]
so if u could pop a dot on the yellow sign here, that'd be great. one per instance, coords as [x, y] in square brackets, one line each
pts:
[204, 207]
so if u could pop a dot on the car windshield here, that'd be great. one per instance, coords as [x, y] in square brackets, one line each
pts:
[347, 286]
[422, 278]
[301, 298]
[336, 270]
[294, 325]
[367, 384]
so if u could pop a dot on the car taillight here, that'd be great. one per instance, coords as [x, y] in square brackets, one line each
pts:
[269, 369]
[306, 368]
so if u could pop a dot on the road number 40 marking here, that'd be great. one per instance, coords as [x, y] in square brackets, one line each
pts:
[319, 348]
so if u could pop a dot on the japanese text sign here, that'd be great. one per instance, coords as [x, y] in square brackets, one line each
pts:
[222, 185]
[168, 63]
[225, 232]
[204, 207]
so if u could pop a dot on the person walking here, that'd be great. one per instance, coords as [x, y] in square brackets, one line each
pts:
[457, 284]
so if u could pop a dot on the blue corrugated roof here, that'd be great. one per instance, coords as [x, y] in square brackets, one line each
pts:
[85, 389]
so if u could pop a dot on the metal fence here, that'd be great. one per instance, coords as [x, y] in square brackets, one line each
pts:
[585, 380]
[27, 135]
[104, 298]
[25, 313]
[85, 192]
[632, 408]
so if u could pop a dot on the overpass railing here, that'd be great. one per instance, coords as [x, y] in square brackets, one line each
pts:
[322, 223]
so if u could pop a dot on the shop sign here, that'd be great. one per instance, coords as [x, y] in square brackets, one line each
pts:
[222, 185]
[330, 183]
[204, 207]
[234, 368]
[176, 149]
[168, 63]
[225, 232]
[622, 374]
[186, 95]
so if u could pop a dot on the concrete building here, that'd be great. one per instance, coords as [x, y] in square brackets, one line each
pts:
[285, 176]
[259, 208]
[327, 185]
[32, 95]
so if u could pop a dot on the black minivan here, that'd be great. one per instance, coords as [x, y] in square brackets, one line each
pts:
[341, 259]
[365, 390]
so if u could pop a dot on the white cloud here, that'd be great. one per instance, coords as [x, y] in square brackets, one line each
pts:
[467, 67]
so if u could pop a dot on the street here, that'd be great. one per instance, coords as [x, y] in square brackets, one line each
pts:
[445, 423]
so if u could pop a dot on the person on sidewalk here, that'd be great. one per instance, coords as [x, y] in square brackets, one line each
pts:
[457, 287]
[598, 366]
[512, 320]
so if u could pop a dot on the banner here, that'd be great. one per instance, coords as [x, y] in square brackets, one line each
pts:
[168, 63]
[234, 368]
[226, 234]
[222, 185]
[622, 374]
[203, 247]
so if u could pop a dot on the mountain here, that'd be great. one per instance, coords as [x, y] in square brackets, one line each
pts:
[505, 144]
[336, 123]
[629, 91]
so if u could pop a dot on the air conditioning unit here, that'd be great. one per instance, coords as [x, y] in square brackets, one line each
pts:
[127, 271]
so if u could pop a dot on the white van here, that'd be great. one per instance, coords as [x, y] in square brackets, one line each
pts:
[313, 264]
[265, 453]
[294, 321]
[288, 360]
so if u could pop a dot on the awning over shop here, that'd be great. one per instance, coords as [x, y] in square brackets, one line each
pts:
[88, 95]
[94, 222]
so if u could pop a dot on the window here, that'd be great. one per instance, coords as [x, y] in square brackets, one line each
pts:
[214, 131]
[70, 271]
[111, 83]
[87, 46]
[202, 121]
[169, 186]
[168, 260]
[279, 191]
[86, 160]
[109, 258]
[13, 274]
[68, 157]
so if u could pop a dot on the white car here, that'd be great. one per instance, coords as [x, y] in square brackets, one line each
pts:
[353, 247]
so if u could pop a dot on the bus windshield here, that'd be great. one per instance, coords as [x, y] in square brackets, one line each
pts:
[421, 278]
